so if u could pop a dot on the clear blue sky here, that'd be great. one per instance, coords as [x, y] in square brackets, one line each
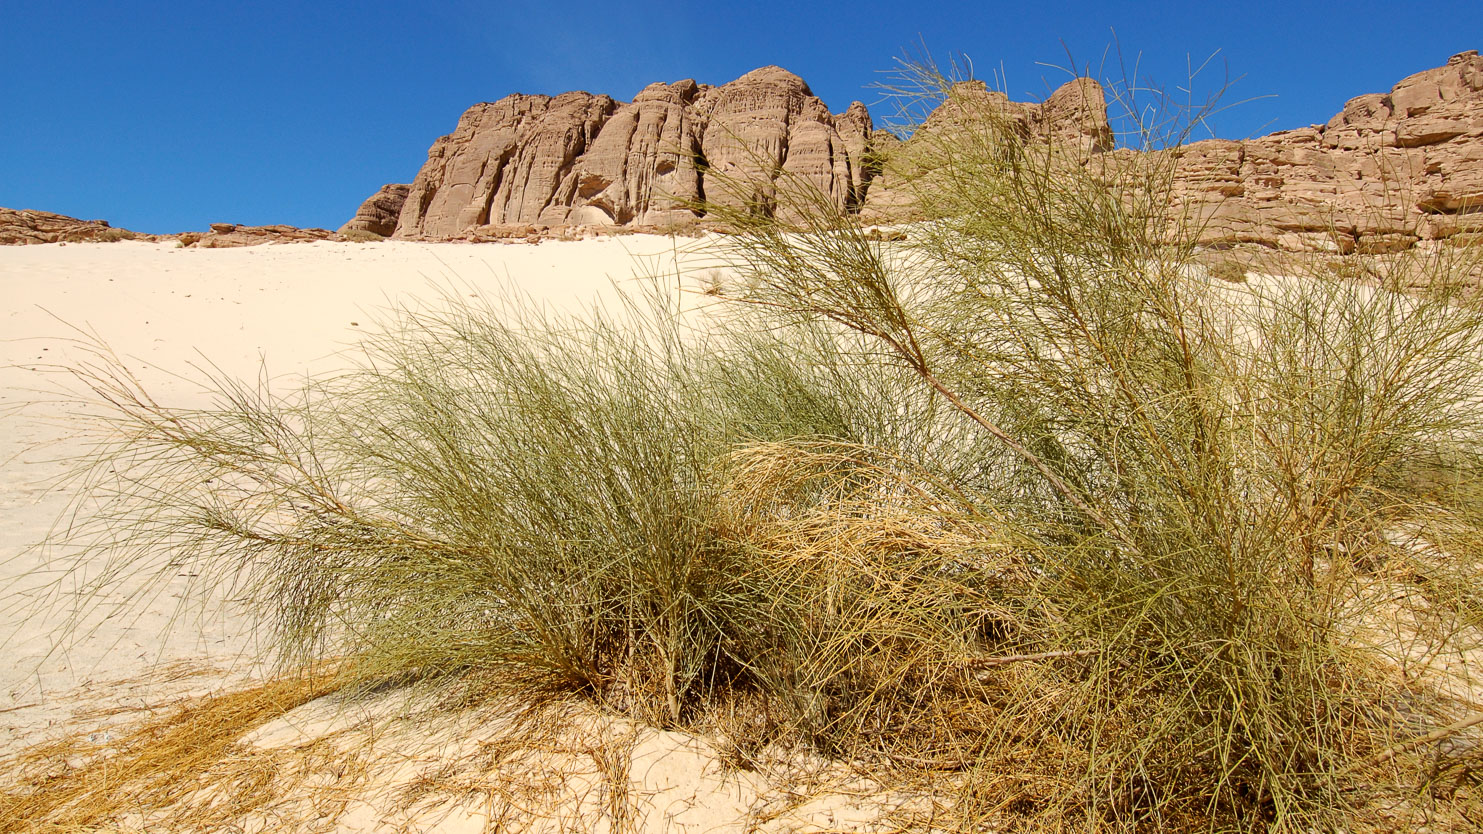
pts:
[166, 116]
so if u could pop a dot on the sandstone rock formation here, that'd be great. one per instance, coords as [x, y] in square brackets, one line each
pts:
[27, 226]
[587, 160]
[1388, 171]
[641, 168]
[378, 215]
[507, 162]
[228, 235]
[768, 125]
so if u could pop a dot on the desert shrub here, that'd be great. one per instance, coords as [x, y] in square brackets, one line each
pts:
[491, 489]
[360, 235]
[112, 235]
[1209, 530]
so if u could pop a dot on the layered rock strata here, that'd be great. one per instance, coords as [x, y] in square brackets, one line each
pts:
[1387, 171]
[230, 235]
[20, 226]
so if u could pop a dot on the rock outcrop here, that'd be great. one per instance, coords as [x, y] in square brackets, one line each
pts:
[229, 235]
[1386, 172]
[379, 214]
[587, 160]
[768, 125]
[510, 161]
[28, 226]
[641, 169]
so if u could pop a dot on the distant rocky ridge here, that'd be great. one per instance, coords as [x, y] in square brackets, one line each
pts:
[22, 226]
[28, 226]
[228, 235]
[1388, 171]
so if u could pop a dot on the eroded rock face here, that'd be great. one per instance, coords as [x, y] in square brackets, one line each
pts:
[1387, 171]
[584, 160]
[379, 214]
[27, 226]
[641, 169]
[510, 161]
[767, 127]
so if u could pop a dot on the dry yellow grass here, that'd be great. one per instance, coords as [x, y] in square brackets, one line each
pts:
[186, 766]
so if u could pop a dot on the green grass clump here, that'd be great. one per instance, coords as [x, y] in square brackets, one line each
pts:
[1021, 511]
[111, 235]
[490, 490]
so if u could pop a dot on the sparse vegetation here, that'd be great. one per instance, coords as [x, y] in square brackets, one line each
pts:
[112, 235]
[360, 236]
[1231, 271]
[1011, 513]
[168, 764]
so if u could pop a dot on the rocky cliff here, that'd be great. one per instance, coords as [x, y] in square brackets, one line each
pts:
[586, 160]
[1388, 171]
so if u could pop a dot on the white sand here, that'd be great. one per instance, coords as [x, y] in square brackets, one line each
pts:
[291, 309]
[286, 309]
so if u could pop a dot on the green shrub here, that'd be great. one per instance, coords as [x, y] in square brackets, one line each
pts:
[534, 494]
[111, 235]
[1208, 489]
[360, 235]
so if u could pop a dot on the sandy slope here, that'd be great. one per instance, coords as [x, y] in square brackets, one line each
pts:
[285, 311]
[282, 310]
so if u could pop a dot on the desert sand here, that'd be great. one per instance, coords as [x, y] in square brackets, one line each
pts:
[281, 312]
[276, 311]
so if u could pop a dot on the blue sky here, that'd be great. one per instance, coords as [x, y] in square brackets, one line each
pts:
[164, 117]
